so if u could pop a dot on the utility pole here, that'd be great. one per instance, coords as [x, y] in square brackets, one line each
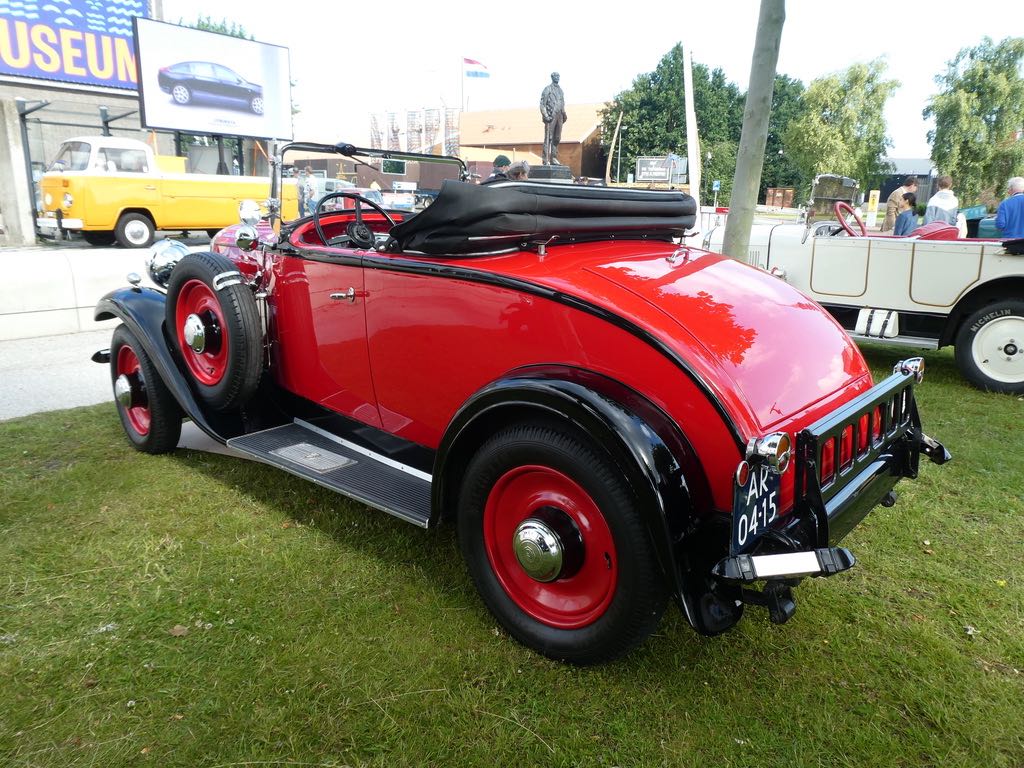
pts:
[758, 109]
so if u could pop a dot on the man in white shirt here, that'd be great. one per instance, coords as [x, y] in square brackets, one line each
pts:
[943, 205]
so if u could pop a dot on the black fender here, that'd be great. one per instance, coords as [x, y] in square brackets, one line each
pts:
[142, 310]
[649, 448]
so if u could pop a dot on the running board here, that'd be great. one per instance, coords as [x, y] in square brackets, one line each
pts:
[815, 562]
[917, 342]
[349, 469]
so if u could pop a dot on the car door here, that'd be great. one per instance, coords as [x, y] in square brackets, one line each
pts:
[204, 78]
[230, 84]
[320, 342]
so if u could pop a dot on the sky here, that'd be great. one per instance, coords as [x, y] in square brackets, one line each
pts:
[407, 55]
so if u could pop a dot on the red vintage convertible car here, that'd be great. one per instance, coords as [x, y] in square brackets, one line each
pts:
[610, 419]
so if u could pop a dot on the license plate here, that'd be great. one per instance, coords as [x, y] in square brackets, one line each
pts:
[755, 506]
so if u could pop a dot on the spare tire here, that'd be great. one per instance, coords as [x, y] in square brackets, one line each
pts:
[212, 317]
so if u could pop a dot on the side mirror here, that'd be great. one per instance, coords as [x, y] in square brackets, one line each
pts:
[246, 237]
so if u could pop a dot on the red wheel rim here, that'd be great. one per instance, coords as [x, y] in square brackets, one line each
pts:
[565, 603]
[210, 365]
[128, 365]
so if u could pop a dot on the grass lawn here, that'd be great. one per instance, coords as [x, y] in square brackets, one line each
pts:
[196, 610]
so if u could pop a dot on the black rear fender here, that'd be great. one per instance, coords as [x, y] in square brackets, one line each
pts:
[653, 454]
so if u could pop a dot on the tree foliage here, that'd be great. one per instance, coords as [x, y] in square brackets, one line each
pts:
[780, 168]
[207, 24]
[655, 122]
[979, 115]
[842, 127]
[653, 115]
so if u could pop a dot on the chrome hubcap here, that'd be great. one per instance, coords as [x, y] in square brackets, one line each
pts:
[136, 232]
[538, 550]
[123, 391]
[194, 332]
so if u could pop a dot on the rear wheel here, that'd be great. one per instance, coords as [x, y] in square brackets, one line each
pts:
[150, 415]
[990, 347]
[135, 230]
[553, 539]
[256, 104]
[211, 315]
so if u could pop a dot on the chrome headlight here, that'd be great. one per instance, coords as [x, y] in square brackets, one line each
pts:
[163, 257]
[249, 212]
[69, 200]
[47, 199]
[775, 450]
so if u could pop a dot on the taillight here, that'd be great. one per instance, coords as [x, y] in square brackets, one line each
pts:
[876, 426]
[846, 447]
[828, 461]
[862, 435]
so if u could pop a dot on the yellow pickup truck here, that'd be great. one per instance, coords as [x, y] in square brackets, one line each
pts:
[114, 189]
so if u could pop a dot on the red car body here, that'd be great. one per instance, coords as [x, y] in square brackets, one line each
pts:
[666, 367]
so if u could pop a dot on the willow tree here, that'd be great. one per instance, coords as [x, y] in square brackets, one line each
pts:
[979, 116]
[842, 129]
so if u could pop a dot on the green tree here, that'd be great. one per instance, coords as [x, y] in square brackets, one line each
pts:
[979, 116]
[207, 24]
[842, 128]
[780, 169]
[655, 123]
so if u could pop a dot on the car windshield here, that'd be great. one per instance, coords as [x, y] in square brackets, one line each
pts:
[309, 175]
[73, 156]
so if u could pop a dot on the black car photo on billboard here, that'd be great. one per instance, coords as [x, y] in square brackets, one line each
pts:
[193, 82]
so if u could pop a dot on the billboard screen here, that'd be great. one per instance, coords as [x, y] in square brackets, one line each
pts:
[206, 82]
[659, 169]
[74, 41]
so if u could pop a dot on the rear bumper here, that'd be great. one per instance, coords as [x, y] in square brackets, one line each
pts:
[883, 431]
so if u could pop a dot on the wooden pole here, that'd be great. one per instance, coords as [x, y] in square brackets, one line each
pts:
[750, 159]
[611, 152]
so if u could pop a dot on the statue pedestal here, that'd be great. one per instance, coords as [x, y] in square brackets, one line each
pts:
[558, 174]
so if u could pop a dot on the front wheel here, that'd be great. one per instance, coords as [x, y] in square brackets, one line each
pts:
[990, 347]
[135, 230]
[553, 540]
[256, 105]
[150, 415]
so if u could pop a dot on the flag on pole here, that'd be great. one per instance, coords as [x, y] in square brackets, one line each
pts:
[474, 68]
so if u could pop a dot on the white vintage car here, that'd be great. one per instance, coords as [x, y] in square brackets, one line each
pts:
[927, 290]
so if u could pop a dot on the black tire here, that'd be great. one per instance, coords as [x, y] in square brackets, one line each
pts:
[638, 596]
[150, 396]
[135, 230]
[226, 373]
[989, 347]
[99, 238]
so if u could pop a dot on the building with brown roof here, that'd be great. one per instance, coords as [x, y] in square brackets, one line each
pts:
[517, 131]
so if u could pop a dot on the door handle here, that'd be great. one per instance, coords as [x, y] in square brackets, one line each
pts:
[349, 295]
[150, 187]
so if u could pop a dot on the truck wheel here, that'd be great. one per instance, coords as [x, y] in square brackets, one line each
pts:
[181, 94]
[553, 540]
[256, 104]
[990, 347]
[150, 415]
[134, 230]
[211, 315]
[99, 238]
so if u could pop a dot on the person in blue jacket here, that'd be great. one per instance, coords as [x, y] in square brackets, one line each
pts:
[906, 222]
[1010, 216]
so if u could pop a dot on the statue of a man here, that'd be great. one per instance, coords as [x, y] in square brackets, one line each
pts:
[552, 111]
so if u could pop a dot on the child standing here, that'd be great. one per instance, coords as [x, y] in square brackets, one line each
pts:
[906, 222]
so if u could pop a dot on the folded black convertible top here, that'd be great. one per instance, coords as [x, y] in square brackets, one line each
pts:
[469, 218]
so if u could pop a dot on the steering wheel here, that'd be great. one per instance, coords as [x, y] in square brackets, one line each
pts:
[357, 232]
[842, 211]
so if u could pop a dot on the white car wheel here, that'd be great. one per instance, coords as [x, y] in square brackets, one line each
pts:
[256, 105]
[990, 347]
[181, 94]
